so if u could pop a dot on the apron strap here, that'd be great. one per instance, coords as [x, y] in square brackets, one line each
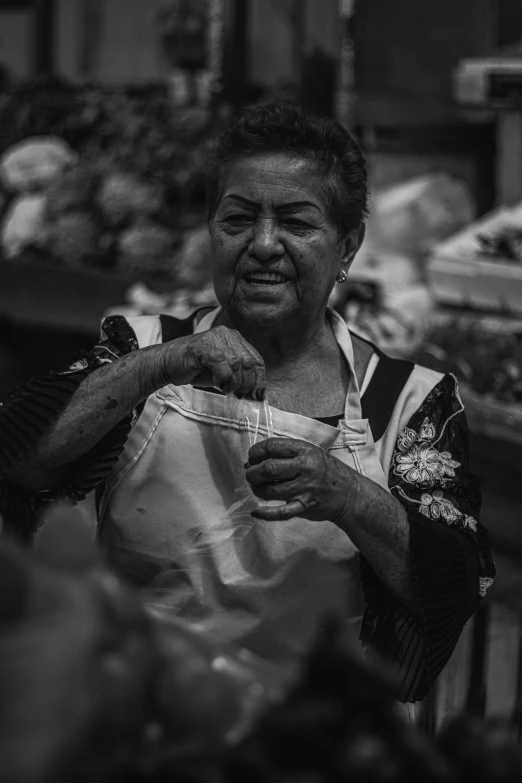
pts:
[377, 402]
[384, 389]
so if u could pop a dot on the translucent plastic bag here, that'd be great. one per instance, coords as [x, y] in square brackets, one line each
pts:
[252, 424]
[255, 424]
[243, 685]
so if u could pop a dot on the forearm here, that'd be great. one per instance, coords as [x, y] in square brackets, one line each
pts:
[378, 526]
[102, 400]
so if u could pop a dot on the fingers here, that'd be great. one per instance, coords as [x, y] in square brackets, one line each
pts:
[228, 373]
[222, 369]
[280, 490]
[225, 360]
[259, 388]
[247, 370]
[295, 508]
[271, 470]
[277, 448]
[253, 380]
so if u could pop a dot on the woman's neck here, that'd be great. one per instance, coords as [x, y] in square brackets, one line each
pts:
[286, 344]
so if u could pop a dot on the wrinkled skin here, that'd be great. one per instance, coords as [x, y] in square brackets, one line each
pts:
[218, 357]
[314, 485]
[272, 217]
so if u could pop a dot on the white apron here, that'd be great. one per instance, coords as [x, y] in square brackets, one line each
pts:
[264, 585]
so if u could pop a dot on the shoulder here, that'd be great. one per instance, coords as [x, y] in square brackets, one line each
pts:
[141, 330]
[435, 396]
[395, 390]
[428, 397]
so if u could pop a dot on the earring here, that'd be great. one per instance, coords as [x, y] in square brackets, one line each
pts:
[343, 277]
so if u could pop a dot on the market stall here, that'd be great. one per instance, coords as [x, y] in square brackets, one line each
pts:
[103, 212]
[99, 189]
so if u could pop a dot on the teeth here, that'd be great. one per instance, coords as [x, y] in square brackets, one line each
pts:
[267, 277]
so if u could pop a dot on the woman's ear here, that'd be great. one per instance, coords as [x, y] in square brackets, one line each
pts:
[352, 243]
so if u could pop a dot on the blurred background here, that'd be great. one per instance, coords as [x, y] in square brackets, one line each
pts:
[106, 110]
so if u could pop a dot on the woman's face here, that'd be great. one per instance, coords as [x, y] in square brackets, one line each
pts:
[276, 253]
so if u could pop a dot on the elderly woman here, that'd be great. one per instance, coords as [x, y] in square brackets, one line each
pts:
[367, 455]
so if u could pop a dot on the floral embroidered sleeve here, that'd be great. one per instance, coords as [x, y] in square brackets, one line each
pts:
[30, 410]
[451, 561]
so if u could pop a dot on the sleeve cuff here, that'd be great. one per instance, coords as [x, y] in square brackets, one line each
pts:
[445, 572]
[94, 467]
[25, 416]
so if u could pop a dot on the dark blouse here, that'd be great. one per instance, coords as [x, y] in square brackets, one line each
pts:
[450, 557]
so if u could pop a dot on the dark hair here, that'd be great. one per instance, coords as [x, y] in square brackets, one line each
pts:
[285, 127]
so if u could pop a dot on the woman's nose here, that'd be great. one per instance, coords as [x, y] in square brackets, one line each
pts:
[266, 242]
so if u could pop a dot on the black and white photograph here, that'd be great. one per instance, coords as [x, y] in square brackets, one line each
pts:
[260, 391]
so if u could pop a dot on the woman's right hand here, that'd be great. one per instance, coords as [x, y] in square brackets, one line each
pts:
[219, 357]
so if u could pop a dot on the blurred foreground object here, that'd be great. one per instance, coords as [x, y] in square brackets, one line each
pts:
[92, 686]
[340, 723]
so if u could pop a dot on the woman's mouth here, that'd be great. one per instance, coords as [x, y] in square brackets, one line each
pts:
[265, 278]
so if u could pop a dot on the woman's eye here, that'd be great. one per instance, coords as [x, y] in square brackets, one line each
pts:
[237, 220]
[295, 223]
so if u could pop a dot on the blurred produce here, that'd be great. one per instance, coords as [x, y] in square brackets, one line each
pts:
[34, 163]
[73, 238]
[24, 225]
[408, 218]
[74, 190]
[123, 196]
[125, 162]
[482, 752]
[341, 724]
[95, 688]
[195, 259]
[506, 244]
[479, 267]
[484, 353]
[147, 247]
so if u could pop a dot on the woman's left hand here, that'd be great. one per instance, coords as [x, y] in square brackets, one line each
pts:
[315, 485]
